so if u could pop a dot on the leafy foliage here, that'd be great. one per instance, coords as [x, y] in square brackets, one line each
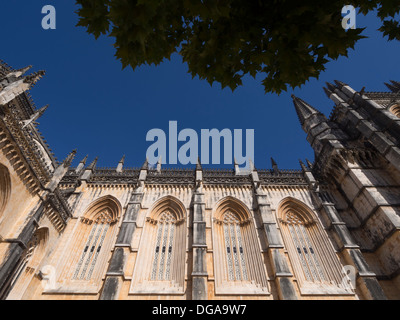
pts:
[288, 41]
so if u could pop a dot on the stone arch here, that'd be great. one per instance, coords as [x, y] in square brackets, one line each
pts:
[169, 202]
[91, 244]
[5, 188]
[106, 208]
[238, 263]
[311, 253]
[161, 262]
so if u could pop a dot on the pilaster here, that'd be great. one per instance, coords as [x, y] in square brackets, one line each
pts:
[275, 245]
[199, 245]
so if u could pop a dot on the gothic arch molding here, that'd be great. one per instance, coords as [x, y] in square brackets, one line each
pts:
[90, 247]
[167, 202]
[312, 256]
[160, 266]
[108, 204]
[238, 263]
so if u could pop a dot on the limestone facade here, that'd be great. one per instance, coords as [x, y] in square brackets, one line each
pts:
[327, 231]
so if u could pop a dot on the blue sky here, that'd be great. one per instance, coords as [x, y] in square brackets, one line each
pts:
[105, 111]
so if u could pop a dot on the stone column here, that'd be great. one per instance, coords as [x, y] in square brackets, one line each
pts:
[115, 274]
[275, 246]
[199, 246]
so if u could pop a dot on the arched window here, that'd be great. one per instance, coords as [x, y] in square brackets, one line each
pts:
[238, 263]
[29, 264]
[316, 266]
[5, 188]
[160, 266]
[395, 109]
[90, 246]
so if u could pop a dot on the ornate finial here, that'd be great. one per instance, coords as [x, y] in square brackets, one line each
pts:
[302, 165]
[67, 162]
[120, 164]
[274, 165]
[198, 164]
[18, 73]
[146, 165]
[303, 109]
[22, 71]
[159, 164]
[81, 164]
[35, 77]
[42, 110]
[92, 166]
[309, 164]
[84, 159]
[34, 117]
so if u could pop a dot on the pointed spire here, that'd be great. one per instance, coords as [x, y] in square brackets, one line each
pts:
[18, 73]
[274, 165]
[81, 164]
[327, 92]
[392, 88]
[159, 164]
[41, 111]
[330, 86]
[303, 109]
[302, 165]
[83, 161]
[120, 164]
[67, 162]
[309, 164]
[198, 164]
[35, 116]
[34, 77]
[92, 166]
[395, 83]
[340, 84]
[145, 165]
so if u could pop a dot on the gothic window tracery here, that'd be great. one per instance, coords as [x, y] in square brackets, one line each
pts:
[90, 246]
[238, 260]
[164, 247]
[160, 266]
[316, 266]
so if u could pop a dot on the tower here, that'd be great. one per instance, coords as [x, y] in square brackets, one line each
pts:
[356, 173]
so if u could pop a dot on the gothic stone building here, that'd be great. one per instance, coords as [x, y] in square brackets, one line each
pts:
[327, 231]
